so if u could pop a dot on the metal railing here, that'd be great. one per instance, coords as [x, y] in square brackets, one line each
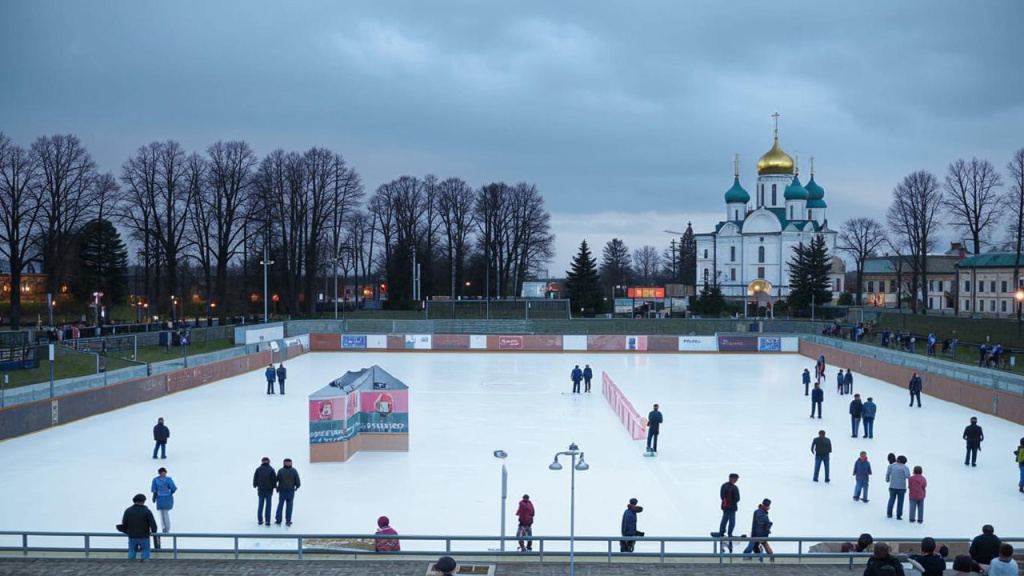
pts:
[547, 548]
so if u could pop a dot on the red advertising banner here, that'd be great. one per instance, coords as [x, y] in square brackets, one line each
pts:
[510, 342]
[640, 292]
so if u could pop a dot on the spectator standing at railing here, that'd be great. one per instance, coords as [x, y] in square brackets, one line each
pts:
[915, 389]
[882, 562]
[525, 513]
[982, 354]
[588, 375]
[576, 376]
[160, 435]
[386, 544]
[931, 344]
[730, 495]
[138, 523]
[929, 563]
[629, 525]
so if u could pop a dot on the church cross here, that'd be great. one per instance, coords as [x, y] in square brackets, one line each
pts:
[736, 165]
[776, 117]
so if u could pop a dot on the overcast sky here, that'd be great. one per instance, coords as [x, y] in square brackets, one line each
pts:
[626, 115]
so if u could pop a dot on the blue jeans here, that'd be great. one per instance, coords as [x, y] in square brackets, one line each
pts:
[266, 500]
[285, 498]
[815, 405]
[729, 521]
[918, 507]
[1021, 483]
[817, 465]
[972, 455]
[162, 448]
[855, 425]
[652, 440]
[860, 490]
[894, 495]
[142, 543]
[869, 427]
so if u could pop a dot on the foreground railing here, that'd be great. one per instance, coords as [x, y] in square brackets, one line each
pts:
[346, 546]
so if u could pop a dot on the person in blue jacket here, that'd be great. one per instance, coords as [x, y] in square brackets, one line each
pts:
[163, 490]
[867, 413]
[817, 396]
[282, 375]
[862, 473]
[807, 382]
[271, 376]
[588, 375]
[848, 382]
[840, 381]
[629, 525]
[576, 376]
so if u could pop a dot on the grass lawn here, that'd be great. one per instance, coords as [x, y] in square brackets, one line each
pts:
[71, 363]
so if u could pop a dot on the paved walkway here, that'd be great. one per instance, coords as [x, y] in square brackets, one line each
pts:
[111, 567]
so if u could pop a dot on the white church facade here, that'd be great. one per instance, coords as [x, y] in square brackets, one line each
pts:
[749, 252]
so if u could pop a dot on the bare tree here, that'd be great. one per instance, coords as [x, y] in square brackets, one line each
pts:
[914, 216]
[646, 262]
[280, 185]
[19, 215]
[319, 165]
[616, 265]
[861, 238]
[1015, 167]
[200, 219]
[530, 243]
[971, 197]
[455, 208]
[66, 173]
[347, 191]
[229, 175]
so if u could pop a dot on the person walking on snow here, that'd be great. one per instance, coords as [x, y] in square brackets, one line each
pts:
[862, 472]
[817, 397]
[270, 374]
[654, 420]
[588, 375]
[730, 495]
[974, 437]
[867, 413]
[525, 531]
[629, 525]
[576, 376]
[160, 435]
[821, 447]
[807, 382]
[282, 374]
[163, 490]
[915, 389]
[856, 411]
[761, 527]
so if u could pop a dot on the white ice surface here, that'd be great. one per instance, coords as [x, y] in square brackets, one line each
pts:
[723, 413]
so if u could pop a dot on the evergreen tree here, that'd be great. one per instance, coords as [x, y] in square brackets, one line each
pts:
[102, 264]
[809, 271]
[583, 283]
[688, 258]
[710, 301]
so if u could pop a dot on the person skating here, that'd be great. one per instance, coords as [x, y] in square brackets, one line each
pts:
[163, 489]
[271, 375]
[974, 436]
[761, 527]
[848, 382]
[807, 382]
[264, 480]
[138, 523]
[282, 375]
[856, 411]
[160, 435]
[730, 496]
[817, 397]
[288, 482]
[867, 414]
[576, 376]
[386, 544]
[524, 533]
[915, 389]
[918, 486]
[821, 447]
[588, 375]
[629, 525]
[862, 473]
[654, 420]
[897, 475]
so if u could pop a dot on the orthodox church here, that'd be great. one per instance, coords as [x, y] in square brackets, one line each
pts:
[749, 251]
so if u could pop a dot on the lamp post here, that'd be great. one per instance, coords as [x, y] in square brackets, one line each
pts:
[1019, 295]
[572, 453]
[266, 263]
[501, 454]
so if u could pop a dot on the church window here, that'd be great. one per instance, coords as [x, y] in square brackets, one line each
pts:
[1004, 287]
[992, 286]
[732, 254]
[809, 215]
[991, 305]
[790, 212]
[705, 253]
[967, 286]
[760, 254]
[760, 271]
[732, 273]
[839, 286]
[774, 197]
[705, 275]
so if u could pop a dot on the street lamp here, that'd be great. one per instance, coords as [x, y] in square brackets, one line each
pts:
[572, 452]
[1019, 295]
[501, 455]
[266, 263]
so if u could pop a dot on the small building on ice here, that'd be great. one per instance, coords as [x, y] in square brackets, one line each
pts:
[365, 409]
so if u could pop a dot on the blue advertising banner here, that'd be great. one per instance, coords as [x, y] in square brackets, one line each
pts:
[353, 342]
[769, 344]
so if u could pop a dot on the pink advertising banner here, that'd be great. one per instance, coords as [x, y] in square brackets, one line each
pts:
[623, 408]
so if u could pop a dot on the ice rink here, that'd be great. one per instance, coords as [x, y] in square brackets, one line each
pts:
[723, 413]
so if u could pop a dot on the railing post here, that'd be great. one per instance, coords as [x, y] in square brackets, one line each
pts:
[174, 547]
[24, 544]
[300, 547]
[86, 545]
[236, 547]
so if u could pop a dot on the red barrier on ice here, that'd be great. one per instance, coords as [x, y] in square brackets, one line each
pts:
[628, 415]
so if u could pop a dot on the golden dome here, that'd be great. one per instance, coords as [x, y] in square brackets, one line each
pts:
[775, 161]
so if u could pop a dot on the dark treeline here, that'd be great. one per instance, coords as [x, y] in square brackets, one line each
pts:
[199, 226]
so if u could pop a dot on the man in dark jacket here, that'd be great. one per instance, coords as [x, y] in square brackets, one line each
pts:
[915, 389]
[588, 375]
[848, 382]
[840, 380]
[761, 527]
[270, 374]
[817, 397]
[282, 373]
[287, 483]
[985, 546]
[576, 376]
[821, 447]
[856, 408]
[138, 523]
[654, 420]
[525, 531]
[629, 525]
[868, 413]
[264, 480]
[882, 562]
[807, 382]
[730, 495]
[160, 434]
[974, 437]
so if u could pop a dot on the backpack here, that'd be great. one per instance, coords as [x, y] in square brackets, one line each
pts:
[1019, 453]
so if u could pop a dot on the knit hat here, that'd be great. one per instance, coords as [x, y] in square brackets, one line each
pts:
[633, 501]
[383, 521]
[445, 564]
[766, 502]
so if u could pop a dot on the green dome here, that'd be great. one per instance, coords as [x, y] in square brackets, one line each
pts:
[816, 203]
[795, 191]
[736, 194]
[814, 192]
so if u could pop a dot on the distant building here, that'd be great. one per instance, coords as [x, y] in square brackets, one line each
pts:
[887, 279]
[986, 286]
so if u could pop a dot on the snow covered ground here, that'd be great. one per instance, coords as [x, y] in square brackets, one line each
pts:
[723, 413]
